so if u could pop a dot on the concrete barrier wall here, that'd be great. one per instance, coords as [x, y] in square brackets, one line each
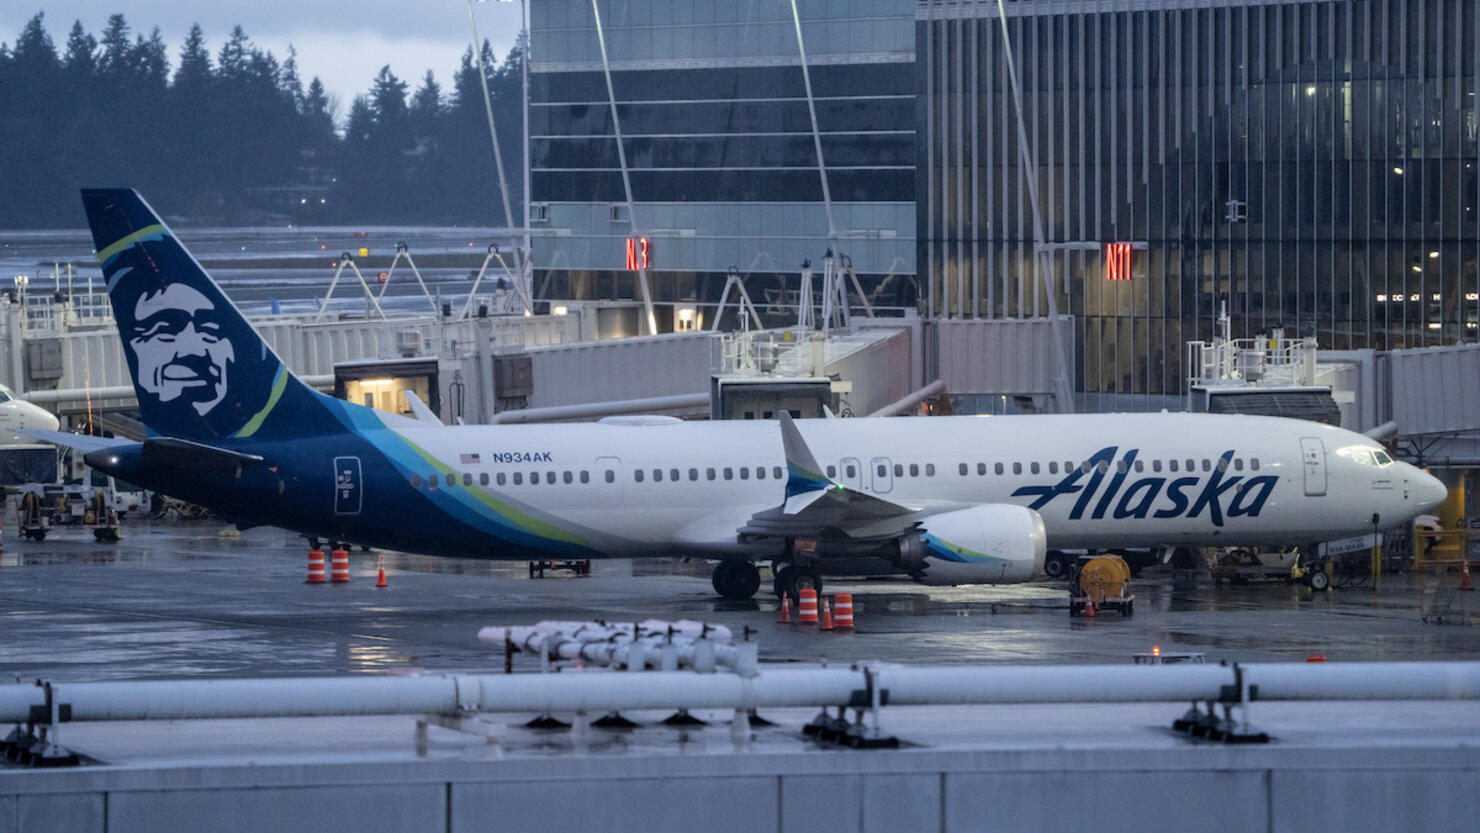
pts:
[1205, 788]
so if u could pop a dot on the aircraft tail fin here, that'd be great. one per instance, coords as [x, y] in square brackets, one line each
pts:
[200, 371]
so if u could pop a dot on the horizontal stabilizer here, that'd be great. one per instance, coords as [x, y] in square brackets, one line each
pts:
[81, 442]
[173, 452]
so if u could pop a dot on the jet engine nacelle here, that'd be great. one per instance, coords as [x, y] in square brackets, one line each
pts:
[997, 542]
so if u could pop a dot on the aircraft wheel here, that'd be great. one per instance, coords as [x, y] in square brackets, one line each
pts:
[793, 579]
[1056, 565]
[736, 578]
[1318, 579]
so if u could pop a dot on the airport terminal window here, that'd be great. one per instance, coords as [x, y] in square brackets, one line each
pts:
[637, 475]
[729, 473]
[693, 474]
[962, 469]
[569, 477]
[899, 470]
[709, 474]
[467, 479]
[776, 472]
[1017, 468]
[929, 469]
[914, 469]
[500, 478]
[415, 481]
[611, 476]
[1033, 467]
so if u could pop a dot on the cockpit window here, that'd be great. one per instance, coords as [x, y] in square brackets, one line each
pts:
[4, 395]
[1382, 458]
[1366, 456]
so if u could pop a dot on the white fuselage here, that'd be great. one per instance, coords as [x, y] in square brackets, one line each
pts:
[1099, 481]
[17, 414]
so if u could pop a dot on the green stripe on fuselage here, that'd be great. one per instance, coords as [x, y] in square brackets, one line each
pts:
[278, 384]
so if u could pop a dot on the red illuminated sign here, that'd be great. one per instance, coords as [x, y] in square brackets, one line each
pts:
[1117, 261]
[639, 254]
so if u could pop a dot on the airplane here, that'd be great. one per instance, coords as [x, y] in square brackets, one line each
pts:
[17, 414]
[947, 500]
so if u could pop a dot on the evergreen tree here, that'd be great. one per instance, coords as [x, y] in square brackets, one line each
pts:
[81, 58]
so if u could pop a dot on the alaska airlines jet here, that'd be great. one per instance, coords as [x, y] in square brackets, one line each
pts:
[18, 414]
[948, 500]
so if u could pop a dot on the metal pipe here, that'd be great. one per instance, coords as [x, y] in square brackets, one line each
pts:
[775, 688]
[600, 409]
[911, 399]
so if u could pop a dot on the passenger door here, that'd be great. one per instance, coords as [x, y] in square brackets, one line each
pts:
[1313, 453]
[348, 486]
[883, 475]
[607, 495]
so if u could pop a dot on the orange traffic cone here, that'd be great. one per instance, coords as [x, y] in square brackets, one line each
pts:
[339, 566]
[807, 607]
[1315, 657]
[783, 613]
[1089, 609]
[827, 620]
[844, 604]
[315, 566]
[380, 580]
[1464, 575]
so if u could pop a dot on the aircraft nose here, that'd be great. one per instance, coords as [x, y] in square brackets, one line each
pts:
[1428, 491]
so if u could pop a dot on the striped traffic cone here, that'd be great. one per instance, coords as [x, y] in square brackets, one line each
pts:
[827, 620]
[807, 607]
[339, 564]
[843, 612]
[380, 580]
[315, 566]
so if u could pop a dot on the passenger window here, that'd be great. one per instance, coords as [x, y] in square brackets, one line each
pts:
[709, 474]
[882, 471]
[1033, 467]
[998, 468]
[962, 469]
[1017, 468]
[729, 473]
[899, 470]
[1191, 465]
[1207, 464]
[914, 469]
[585, 476]
[693, 474]
[433, 481]
[1140, 466]
[518, 479]
[569, 477]
[1084, 467]
[611, 476]
[467, 479]
[500, 478]
[1254, 463]
[745, 472]
[415, 480]
[1068, 467]
[657, 475]
[1053, 466]
[534, 478]
[482, 478]
[1222, 464]
[981, 469]
[852, 471]
[1238, 464]
[451, 479]
[776, 472]
[1102, 467]
[1120, 466]
[1156, 465]
[550, 478]
[637, 475]
[1171, 465]
[760, 472]
[673, 475]
[832, 472]
[929, 469]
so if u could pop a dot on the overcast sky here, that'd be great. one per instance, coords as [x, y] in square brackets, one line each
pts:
[344, 43]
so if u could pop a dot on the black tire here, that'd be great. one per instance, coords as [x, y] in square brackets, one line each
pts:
[736, 579]
[1318, 579]
[792, 579]
[1056, 565]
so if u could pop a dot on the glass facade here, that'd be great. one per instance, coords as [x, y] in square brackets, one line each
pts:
[717, 136]
[1310, 165]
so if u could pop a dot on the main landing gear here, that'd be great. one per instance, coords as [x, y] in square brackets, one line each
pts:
[793, 578]
[736, 578]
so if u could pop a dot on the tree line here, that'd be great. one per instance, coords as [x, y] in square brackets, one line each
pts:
[238, 138]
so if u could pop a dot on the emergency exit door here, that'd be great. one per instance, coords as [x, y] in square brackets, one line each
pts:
[1313, 452]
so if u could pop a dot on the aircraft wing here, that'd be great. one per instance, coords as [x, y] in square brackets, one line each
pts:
[816, 505]
[81, 442]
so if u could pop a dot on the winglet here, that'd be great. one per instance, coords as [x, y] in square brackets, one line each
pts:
[803, 474]
[420, 409]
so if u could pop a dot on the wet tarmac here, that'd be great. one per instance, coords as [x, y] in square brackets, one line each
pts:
[177, 599]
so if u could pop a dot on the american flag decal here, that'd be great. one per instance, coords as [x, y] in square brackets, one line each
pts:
[469, 458]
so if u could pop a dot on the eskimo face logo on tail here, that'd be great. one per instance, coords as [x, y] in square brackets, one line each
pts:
[178, 346]
[1222, 495]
